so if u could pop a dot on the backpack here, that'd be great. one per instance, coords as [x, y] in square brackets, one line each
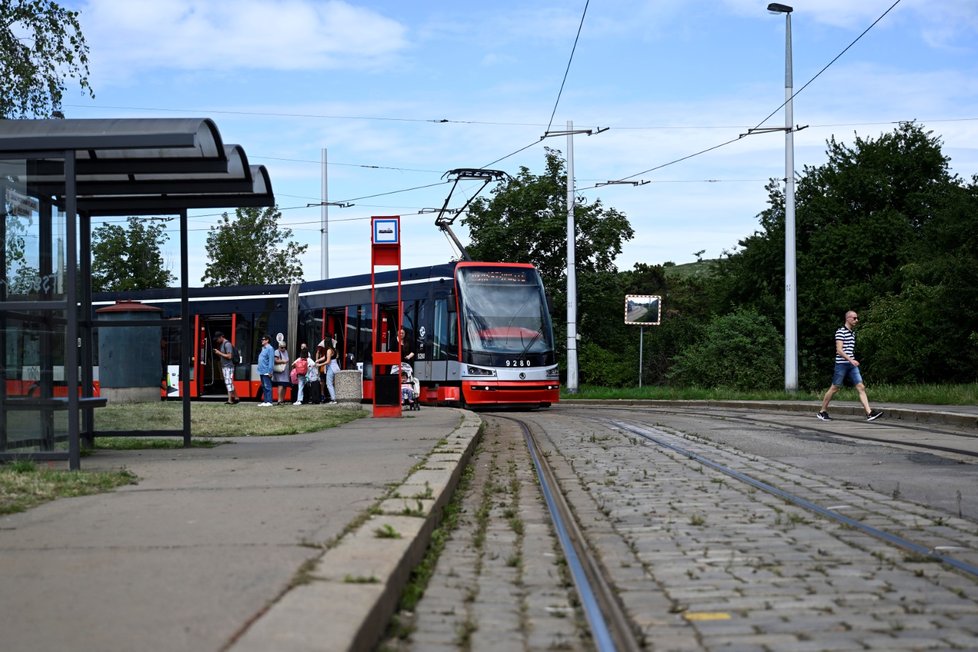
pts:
[236, 357]
[302, 366]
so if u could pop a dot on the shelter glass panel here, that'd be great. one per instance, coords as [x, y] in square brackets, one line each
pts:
[32, 309]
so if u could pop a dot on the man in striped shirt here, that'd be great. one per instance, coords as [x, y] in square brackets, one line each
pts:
[846, 366]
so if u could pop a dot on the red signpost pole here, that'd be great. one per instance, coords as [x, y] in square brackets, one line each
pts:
[385, 251]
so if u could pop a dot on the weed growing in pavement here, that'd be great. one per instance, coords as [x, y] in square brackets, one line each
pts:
[387, 531]
[304, 574]
[797, 519]
[697, 519]
[516, 524]
[464, 632]
[421, 574]
[418, 510]
[360, 579]
[427, 494]
[918, 558]
[397, 629]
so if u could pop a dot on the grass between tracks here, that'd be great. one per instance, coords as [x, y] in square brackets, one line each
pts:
[26, 484]
[919, 394]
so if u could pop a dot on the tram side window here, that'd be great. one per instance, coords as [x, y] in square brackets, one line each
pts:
[310, 327]
[444, 340]
[335, 325]
[243, 343]
[407, 323]
[363, 335]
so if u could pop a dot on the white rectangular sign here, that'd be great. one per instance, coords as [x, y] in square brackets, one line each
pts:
[643, 309]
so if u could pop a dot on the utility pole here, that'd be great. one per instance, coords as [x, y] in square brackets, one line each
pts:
[324, 219]
[324, 229]
[572, 372]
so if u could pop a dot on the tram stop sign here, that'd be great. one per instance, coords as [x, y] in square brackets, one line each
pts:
[643, 309]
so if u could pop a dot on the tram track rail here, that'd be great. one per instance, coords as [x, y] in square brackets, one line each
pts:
[606, 617]
[823, 431]
[651, 436]
[698, 559]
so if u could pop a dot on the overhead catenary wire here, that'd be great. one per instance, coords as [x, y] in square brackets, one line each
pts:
[793, 95]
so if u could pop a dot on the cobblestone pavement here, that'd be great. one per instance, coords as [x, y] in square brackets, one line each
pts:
[500, 583]
[724, 566]
[700, 561]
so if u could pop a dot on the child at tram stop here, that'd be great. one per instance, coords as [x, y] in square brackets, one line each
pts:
[313, 389]
[301, 366]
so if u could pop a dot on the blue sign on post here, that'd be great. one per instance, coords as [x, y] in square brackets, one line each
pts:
[386, 232]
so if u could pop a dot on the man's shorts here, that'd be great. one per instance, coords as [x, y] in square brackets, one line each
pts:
[228, 373]
[846, 370]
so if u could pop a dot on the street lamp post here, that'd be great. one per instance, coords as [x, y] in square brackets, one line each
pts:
[790, 287]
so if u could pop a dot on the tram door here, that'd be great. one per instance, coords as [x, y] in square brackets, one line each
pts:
[334, 328]
[387, 325]
[208, 379]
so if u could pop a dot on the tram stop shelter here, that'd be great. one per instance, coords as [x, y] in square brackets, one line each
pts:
[55, 176]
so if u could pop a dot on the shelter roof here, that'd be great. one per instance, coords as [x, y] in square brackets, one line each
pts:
[133, 166]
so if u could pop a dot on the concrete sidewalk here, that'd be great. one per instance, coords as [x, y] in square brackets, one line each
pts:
[261, 544]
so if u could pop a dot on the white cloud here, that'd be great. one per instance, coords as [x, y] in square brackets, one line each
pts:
[136, 38]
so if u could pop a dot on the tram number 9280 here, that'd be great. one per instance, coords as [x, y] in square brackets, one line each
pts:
[517, 363]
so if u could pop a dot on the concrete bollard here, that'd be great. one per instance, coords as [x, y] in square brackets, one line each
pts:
[349, 386]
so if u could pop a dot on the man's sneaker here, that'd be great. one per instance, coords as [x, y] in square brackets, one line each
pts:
[874, 415]
[264, 405]
[824, 416]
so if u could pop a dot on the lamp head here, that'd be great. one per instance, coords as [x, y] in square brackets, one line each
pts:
[778, 8]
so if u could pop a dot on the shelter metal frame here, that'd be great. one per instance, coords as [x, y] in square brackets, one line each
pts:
[107, 167]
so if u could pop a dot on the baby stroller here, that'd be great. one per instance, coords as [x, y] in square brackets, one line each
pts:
[410, 387]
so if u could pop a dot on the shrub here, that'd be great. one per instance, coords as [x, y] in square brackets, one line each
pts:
[742, 350]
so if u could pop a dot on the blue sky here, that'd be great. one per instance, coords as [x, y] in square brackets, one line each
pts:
[374, 82]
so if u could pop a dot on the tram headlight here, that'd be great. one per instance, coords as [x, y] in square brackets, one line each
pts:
[479, 371]
[553, 372]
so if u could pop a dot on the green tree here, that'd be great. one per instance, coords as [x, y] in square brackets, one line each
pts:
[251, 249]
[862, 224]
[526, 221]
[129, 258]
[41, 45]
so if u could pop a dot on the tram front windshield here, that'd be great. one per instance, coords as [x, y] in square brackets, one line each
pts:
[505, 320]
